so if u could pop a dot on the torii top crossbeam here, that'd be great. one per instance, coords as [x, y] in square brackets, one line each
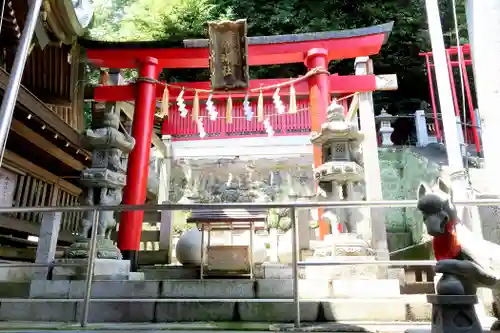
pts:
[267, 50]
[315, 50]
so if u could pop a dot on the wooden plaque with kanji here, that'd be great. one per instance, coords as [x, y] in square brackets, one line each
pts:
[228, 59]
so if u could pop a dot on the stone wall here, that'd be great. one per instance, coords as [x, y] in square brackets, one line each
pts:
[402, 170]
[230, 181]
[274, 180]
[399, 240]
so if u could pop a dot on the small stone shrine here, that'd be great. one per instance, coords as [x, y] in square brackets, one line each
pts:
[104, 181]
[386, 129]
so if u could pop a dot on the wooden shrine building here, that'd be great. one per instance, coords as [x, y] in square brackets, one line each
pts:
[45, 151]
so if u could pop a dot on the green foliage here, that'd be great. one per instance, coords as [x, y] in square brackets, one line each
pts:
[143, 20]
[134, 20]
[87, 114]
[179, 221]
[278, 219]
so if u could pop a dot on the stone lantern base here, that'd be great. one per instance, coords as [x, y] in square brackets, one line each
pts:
[106, 249]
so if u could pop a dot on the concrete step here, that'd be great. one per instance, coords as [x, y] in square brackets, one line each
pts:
[107, 310]
[267, 300]
[14, 289]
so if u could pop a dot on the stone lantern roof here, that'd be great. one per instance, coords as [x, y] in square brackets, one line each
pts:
[337, 128]
[385, 116]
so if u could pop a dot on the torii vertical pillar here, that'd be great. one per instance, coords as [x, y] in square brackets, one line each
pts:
[129, 233]
[319, 99]
[371, 164]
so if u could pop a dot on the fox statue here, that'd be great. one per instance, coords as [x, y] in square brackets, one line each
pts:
[458, 251]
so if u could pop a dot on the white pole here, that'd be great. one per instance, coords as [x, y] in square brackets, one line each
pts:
[483, 18]
[469, 217]
[483, 21]
[166, 225]
[10, 98]
[452, 143]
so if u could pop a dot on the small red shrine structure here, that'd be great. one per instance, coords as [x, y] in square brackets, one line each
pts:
[456, 58]
[315, 50]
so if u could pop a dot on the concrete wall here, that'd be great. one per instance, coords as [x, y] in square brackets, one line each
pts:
[258, 147]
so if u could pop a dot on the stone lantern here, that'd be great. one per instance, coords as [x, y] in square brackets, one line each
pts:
[341, 174]
[386, 129]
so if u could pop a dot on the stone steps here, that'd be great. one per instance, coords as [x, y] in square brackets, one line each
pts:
[236, 311]
[225, 300]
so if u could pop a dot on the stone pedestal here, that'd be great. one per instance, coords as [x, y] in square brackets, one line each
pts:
[454, 314]
[105, 249]
[104, 269]
[346, 244]
[47, 243]
[386, 136]
[353, 281]
[348, 247]
[342, 272]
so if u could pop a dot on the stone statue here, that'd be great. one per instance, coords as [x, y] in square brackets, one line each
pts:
[87, 199]
[465, 260]
[107, 222]
[104, 181]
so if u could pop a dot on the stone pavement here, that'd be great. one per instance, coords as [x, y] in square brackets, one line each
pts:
[389, 327]
[375, 327]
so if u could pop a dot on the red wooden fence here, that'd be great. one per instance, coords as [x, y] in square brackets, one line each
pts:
[182, 129]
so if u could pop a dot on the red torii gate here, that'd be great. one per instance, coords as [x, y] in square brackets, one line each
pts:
[455, 58]
[315, 50]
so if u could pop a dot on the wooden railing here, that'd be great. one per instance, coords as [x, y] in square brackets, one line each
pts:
[31, 191]
[182, 129]
[68, 115]
[35, 186]
[70, 221]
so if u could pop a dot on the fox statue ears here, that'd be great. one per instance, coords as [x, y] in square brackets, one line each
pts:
[441, 185]
[423, 189]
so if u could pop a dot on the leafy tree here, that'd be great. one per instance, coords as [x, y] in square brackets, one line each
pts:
[107, 18]
[179, 19]
[143, 20]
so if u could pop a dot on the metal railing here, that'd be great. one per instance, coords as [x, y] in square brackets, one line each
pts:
[293, 206]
